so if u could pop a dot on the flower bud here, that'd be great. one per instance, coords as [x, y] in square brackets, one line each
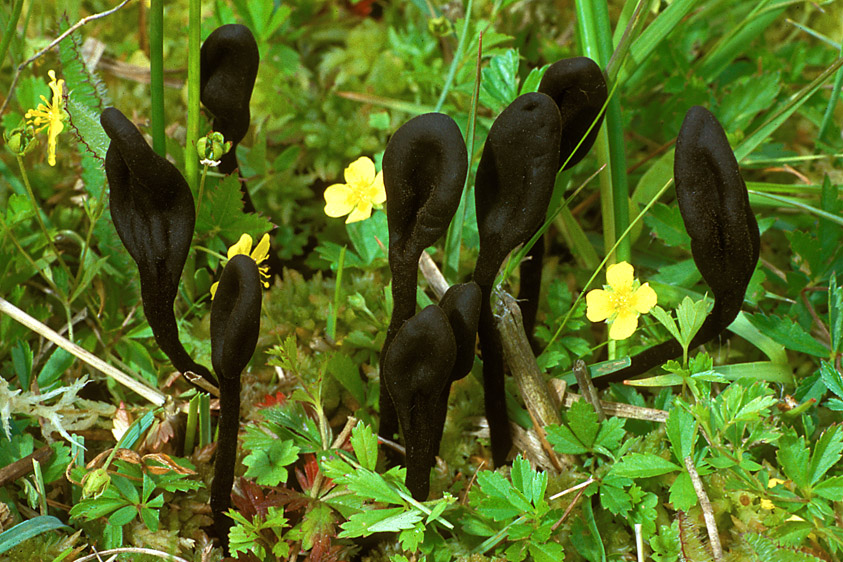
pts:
[20, 140]
[211, 148]
[95, 483]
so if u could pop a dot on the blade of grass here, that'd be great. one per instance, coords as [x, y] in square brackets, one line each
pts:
[453, 238]
[832, 102]
[156, 84]
[194, 28]
[796, 203]
[11, 25]
[452, 70]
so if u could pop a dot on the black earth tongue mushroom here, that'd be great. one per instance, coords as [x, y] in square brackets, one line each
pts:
[461, 305]
[235, 326]
[725, 242]
[512, 190]
[152, 210]
[424, 169]
[416, 368]
[228, 62]
[579, 89]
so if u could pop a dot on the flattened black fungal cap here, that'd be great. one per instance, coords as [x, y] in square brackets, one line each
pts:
[579, 89]
[416, 369]
[235, 316]
[725, 242]
[714, 203]
[424, 168]
[515, 179]
[229, 60]
[152, 210]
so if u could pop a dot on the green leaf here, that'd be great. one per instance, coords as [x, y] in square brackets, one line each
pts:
[345, 370]
[221, 214]
[365, 235]
[835, 314]
[85, 124]
[830, 488]
[564, 441]
[827, 452]
[533, 79]
[666, 223]
[59, 361]
[610, 435]
[583, 421]
[28, 529]
[666, 545]
[788, 333]
[123, 515]
[499, 81]
[527, 481]
[268, 456]
[22, 363]
[666, 320]
[411, 538]
[370, 485]
[682, 494]
[18, 209]
[365, 445]
[614, 497]
[794, 459]
[748, 96]
[691, 315]
[831, 378]
[643, 465]
[387, 520]
[681, 428]
[547, 552]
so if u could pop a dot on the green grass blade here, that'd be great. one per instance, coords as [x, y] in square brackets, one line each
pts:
[28, 529]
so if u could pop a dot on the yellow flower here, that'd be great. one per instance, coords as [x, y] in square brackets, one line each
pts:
[50, 116]
[622, 301]
[361, 191]
[260, 254]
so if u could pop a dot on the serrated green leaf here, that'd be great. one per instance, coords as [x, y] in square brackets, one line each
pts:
[370, 485]
[564, 441]
[794, 459]
[411, 538]
[682, 494]
[583, 421]
[835, 314]
[666, 320]
[529, 482]
[345, 370]
[268, 456]
[547, 552]
[85, 124]
[643, 465]
[365, 445]
[387, 520]
[831, 378]
[221, 214]
[830, 488]
[18, 209]
[614, 497]
[681, 428]
[123, 515]
[788, 333]
[827, 452]
[499, 82]
[691, 314]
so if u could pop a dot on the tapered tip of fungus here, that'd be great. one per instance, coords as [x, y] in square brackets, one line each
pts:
[235, 316]
[579, 89]
[229, 60]
[515, 178]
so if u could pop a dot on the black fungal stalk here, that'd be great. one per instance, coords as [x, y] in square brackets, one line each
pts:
[424, 169]
[579, 90]
[725, 242]
[514, 183]
[152, 210]
[235, 326]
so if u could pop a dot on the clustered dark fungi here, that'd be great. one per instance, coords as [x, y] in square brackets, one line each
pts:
[725, 242]
[153, 212]
[424, 168]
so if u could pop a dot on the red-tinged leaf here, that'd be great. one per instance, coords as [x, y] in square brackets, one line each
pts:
[269, 400]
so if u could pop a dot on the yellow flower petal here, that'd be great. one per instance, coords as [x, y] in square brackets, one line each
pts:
[261, 251]
[772, 482]
[620, 275]
[767, 504]
[243, 246]
[624, 325]
[361, 212]
[360, 173]
[600, 305]
[643, 299]
[377, 190]
[214, 289]
[338, 200]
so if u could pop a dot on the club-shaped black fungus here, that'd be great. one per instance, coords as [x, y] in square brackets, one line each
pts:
[228, 61]
[461, 304]
[512, 190]
[417, 366]
[235, 325]
[579, 89]
[424, 168]
[725, 242]
[152, 210]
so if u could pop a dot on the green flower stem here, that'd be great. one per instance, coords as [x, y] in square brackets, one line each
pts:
[332, 316]
[10, 30]
[98, 210]
[156, 85]
[191, 165]
[40, 220]
[201, 188]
